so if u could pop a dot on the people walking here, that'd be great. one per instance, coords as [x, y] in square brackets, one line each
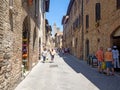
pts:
[115, 53]
[63, 51]
[52, 54]
[109, 61]
[99, 55]
[44, 54]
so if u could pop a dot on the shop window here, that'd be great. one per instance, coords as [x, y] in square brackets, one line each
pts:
[87, 21]
[25, 48]
[98, 12]
[118, 4]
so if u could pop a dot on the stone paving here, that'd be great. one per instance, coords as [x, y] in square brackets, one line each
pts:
[67, 73]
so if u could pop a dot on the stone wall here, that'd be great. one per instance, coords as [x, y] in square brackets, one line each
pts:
[11, 28]
[11, 42]
[72, 34]
[100, 35]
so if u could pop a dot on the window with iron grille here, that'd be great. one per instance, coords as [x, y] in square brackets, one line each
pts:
[118, 4]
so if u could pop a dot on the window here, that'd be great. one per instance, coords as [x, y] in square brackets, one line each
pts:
[80, 20]
[98, 10]
[75, 8]
[11, 3]
[76, 42]
[36, 8]
[118, 4]
[87, 21]
[87, 1]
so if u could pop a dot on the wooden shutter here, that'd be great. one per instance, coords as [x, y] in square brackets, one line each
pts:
[118, 4]
[87, 21]
[98, 11]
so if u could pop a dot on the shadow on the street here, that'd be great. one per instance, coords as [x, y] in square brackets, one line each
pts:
[102, 81]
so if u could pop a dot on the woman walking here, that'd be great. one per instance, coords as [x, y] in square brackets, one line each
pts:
[52, 54]
[44, 54]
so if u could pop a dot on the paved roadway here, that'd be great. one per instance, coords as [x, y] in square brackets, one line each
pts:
[67, 73]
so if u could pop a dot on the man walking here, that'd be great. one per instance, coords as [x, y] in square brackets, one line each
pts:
[52, 54]
[109, 61]
[115, 54]
[99, 55]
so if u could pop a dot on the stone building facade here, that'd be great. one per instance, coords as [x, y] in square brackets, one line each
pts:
[72, 28]
[99, 26]
[19, 39]
[58, 36]
[48, 35]
[44, 7]
[58, 40]
[10, 43]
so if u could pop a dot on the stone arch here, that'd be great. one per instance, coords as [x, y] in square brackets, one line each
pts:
[116, 32]
[115, 38]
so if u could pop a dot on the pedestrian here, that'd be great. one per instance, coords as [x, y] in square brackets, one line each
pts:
[109, 61]
[63, 52]
[52, 54]
[99, 55]
[44, 54]
[115, 54]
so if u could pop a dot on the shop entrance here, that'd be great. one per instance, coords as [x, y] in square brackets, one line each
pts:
[25, 45]
[116, 40]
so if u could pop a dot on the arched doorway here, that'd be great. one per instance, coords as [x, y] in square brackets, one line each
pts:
[87, 48]
[25, 43]
[115, 38]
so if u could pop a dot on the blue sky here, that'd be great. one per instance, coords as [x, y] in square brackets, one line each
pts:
[57, 10]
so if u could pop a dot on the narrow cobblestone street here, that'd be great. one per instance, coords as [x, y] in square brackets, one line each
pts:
[67, 73]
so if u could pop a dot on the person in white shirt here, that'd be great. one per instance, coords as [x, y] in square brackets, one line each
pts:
[44, 54]
[115, 54]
